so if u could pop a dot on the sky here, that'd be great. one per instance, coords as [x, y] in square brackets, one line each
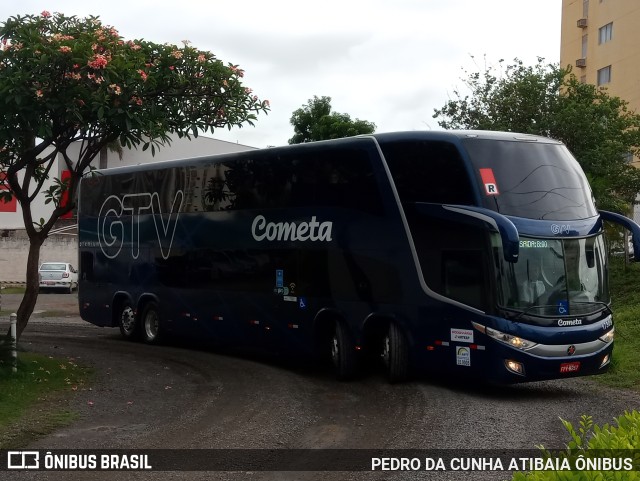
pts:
[388, 62]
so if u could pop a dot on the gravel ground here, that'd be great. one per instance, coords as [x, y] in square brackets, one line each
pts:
[174, 397]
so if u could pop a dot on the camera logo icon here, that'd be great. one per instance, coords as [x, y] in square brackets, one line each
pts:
[23, 460]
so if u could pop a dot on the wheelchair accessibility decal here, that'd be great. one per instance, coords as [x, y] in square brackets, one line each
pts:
[563, 307]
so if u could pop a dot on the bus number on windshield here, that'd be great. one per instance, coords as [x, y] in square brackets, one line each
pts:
[534, 244]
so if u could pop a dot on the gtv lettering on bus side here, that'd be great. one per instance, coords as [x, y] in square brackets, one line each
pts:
[111, 228]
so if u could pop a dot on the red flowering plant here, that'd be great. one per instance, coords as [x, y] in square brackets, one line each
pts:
[68, 79]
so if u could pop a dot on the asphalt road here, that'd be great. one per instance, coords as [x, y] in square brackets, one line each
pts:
[177, 397]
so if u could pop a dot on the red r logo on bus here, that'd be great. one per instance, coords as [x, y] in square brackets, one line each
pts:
[489, 181]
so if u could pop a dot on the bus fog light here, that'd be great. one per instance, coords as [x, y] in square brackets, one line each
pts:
[515, 367]
[605, 361]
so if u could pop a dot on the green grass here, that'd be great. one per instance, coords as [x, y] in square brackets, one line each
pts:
[33, 401]
[625, 293]
[12, 290]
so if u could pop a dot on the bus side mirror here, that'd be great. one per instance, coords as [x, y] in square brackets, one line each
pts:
[629, 225]
[591, 258]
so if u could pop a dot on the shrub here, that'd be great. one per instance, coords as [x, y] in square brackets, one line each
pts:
[593, 442]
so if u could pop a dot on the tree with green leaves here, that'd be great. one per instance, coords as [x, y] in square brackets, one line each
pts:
[67, 80]
[315, 121]
[545, 99]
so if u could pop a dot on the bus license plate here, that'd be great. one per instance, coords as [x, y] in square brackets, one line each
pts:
[567, 367]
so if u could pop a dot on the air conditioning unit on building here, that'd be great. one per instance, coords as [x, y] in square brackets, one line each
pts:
[582, 23]
[581, 62]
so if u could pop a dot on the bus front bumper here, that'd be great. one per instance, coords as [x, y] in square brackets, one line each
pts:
[509, 365]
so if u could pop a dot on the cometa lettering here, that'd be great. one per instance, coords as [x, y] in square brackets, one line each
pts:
[569, 322]
[291, 231]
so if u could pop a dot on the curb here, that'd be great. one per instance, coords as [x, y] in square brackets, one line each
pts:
[4, 284]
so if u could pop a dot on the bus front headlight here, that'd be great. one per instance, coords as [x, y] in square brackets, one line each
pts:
[608, 337]
[508, 339]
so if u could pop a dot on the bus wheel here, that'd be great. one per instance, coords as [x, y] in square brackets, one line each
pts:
[127, 321]
[395, 354]
[343, 353]
[150, 323]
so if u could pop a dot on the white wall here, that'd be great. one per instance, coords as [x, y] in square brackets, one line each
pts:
[178, 149]
[14, 251]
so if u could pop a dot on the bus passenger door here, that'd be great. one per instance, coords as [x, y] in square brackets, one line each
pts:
[288, 302]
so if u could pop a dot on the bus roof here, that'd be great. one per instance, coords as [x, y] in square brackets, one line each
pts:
[442, 135]
[462, 134]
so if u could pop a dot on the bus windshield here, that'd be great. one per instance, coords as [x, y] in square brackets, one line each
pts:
[532, 180]
[555, 277]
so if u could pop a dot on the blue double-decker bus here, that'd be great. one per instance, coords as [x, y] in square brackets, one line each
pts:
[465, 252]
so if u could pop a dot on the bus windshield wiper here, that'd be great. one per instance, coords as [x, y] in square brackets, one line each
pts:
[531, 308]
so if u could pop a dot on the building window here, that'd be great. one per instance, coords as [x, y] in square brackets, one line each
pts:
[583, 79]
[585, 8]
[585, 42]
[628, 157]
[604, 75]
[605, 34]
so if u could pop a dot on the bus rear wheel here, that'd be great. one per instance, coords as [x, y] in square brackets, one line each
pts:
[127, 321]
[395, 354]
[150, 323]
[343, 352]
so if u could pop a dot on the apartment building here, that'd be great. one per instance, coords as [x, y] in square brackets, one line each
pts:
[600, 39]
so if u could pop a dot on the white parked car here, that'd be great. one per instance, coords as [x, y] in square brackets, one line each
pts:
[58, 275]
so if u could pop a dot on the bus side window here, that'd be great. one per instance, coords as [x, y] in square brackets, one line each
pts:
[463, 279]
[428, 171]
[337, 177]
[341, 177]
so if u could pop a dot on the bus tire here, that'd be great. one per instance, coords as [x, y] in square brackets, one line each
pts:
[343, 352]
[127, 321]
[150, 323]
[395, 354]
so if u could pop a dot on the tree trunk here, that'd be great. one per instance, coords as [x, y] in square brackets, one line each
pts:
[33, 285]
